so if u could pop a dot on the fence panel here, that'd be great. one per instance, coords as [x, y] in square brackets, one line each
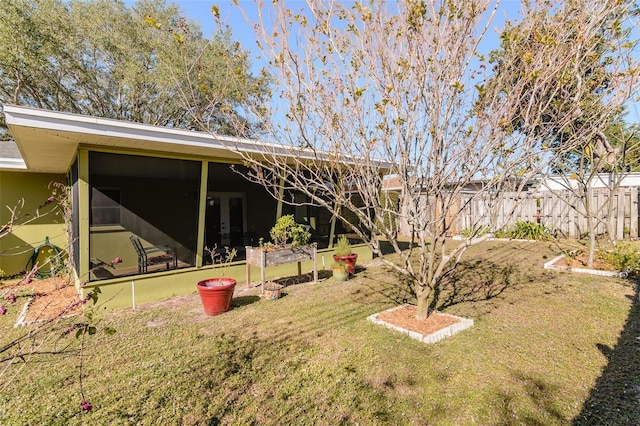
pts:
[562, 211]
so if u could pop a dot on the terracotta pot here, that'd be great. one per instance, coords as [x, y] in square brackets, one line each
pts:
[349, 260]
[216, 294]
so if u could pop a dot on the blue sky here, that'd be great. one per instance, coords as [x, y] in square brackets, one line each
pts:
[200, 11]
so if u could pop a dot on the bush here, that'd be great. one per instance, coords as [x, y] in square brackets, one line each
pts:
[286, 229]
[470, 232]
[624, 258]
[525, 230]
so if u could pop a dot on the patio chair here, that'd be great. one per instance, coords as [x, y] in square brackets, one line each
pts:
[153, 255]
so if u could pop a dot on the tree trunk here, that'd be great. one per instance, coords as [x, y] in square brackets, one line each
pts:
[422, 311]
[592, 242]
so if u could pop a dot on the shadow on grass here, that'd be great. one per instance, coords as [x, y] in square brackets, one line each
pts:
[539, 391]
[279, 364]
[475, 281]
[386, 247]
[615, 398]
[240, 301]
[304, 278]
[471, 281]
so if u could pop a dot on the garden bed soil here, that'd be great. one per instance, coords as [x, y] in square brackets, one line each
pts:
[580, 261]
[405, 317]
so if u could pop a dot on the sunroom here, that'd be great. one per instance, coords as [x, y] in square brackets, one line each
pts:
[161, 199]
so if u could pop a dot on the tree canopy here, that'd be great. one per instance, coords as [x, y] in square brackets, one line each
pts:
[403, 88]
[590, 43]
[132, 66]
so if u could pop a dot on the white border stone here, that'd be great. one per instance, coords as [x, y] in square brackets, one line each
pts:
[21, 319]
[462, 324]
[551, 265]
[20, 322]
[516, 240]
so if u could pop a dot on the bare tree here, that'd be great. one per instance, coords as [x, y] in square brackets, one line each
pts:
[402, 89]
[579, 115]
[51, 332]
[582, 171]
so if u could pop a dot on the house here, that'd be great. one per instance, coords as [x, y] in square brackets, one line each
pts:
[597, 181]
[173, 191]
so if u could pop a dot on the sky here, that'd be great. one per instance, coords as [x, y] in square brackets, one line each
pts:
[200, 11]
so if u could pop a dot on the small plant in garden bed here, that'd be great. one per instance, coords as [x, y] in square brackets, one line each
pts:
[471, 232]
[623, 257]
[287, 232]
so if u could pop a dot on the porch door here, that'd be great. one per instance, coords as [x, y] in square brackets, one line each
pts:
[226, 219]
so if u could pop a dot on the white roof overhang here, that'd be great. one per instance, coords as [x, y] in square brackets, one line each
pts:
[48, 140]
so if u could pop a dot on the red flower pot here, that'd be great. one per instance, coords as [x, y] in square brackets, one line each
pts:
[349, 260]
[216, 294]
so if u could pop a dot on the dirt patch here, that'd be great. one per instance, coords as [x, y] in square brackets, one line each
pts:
[50, 297]
[405, 317]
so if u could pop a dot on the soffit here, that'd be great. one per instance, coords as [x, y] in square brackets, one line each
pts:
[48, 140]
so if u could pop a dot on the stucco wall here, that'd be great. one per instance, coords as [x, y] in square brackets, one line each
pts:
[17, 247]
[128, 292]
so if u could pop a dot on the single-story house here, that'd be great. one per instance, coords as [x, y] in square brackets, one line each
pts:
[600, 180]
[135, 185]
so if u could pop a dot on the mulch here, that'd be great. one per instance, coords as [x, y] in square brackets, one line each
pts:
[48, 298]
[580, 261]
[405, 317]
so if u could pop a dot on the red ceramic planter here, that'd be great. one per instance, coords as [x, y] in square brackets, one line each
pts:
[216, 294]
[350, 261]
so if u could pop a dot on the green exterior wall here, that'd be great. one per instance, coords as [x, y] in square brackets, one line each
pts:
[17, 247]
[108, 242]
[128, 292]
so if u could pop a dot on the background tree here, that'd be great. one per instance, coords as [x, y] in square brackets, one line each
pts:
[402, 88]
[66, 56]
[102, 58]
[598, 73]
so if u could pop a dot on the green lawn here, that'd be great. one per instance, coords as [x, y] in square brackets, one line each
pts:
[547, 348]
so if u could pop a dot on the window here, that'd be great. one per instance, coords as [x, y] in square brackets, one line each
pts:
[105, 207]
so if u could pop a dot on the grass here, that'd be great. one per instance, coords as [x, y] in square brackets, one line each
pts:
[547, 348]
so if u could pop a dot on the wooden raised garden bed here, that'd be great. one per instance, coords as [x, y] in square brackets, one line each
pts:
[263, 257]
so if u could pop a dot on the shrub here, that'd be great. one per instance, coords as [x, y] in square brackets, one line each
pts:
[286, 229]
[525, 230]
[624, 258]
[470, 232]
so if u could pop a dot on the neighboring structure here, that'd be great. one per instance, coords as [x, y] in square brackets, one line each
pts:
[174, 189]
[601, 180]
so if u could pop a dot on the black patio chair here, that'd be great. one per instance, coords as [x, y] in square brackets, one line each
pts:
[153, 255]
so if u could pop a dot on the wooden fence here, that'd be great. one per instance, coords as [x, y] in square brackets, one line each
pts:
[560, 211]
